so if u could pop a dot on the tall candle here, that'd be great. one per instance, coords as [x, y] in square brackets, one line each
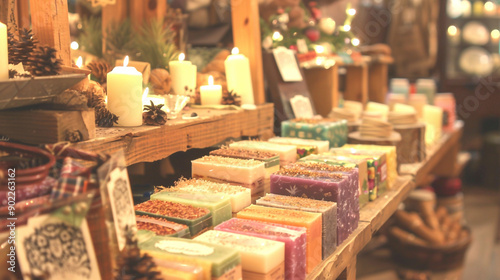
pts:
[125, 94]
[183, 74]
[211, 94]
[238, 76]
[433, 118]
[4, 58]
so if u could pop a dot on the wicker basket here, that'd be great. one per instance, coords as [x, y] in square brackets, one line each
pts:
[416, 256]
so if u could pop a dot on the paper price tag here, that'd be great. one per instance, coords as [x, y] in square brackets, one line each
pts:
[287, 65]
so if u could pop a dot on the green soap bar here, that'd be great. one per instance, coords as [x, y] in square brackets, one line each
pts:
[177, 213]
[215, 260]
[219, 205]
[318, 129]
[360, 164]
[270, 159]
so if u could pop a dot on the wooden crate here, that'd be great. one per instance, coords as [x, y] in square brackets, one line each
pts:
[46, 126]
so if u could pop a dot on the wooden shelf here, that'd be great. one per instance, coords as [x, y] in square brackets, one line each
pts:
[212, 127]
[372, 217]
[435, 155]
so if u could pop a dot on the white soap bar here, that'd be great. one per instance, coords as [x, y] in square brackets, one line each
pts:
[240, 197]
[403, 108]
[287, 153]
[378, 107]
[257, 254]
[322, 145]
[244, 171]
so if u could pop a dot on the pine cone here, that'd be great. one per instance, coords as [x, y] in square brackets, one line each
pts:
[131, 264]
[154, 115]
[44, 62]
[231, 98]
[100, 70]
[20, 48]
[103, 117]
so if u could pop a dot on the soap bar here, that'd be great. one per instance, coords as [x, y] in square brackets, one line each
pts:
[327, 209]
[240, 196]
[270, 159]
[161, 226]
[332, 131]
[257, 254]
[305, 147]
[196, 218]
[403, 108]
[247, 173]
[311, 221]
[219, 205]
[447, 102]
[287, 153]
[360, 164]
[340, 188]
[294, 239]
[175, 270]
[377, 167]
[215, 260]
[379, 108]
[322, 145]
[391, 159]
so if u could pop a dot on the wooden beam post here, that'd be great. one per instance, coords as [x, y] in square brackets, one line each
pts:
[51, 26]
[23, 14]
[111, 14]
[246, 35]
[357, 83]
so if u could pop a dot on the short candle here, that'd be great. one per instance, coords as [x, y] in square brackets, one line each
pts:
[211, 94]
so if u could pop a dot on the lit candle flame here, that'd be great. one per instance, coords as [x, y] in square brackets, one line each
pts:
[182, 56]
[351, 12]
[125, 61]
[79, 62]
[210, 80]
[235, 50]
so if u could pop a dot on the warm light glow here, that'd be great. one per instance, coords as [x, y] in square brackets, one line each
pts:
[74, 45]
[351, 12]
[182, 56]
[145, 95]
[319, 49]
[277, 36]
[347, 28]
[125, 61]
[489, 6]
[495, 34]
[210, 80]
[235, 50]
[452, 30]
[355, 42]
[79, 62]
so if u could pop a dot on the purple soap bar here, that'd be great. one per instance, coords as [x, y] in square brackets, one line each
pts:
[293, 237]
[320, 185]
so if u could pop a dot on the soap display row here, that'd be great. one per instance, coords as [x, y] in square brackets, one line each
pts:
[263, 210]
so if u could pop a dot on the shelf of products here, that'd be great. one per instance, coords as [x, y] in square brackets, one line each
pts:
[211, 127]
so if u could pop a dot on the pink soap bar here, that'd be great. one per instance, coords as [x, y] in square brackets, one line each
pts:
[293, 237]
[321, 185]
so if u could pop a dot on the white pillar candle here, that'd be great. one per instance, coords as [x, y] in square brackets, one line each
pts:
[183, 75]
[125, 94]
[433, 118]
[239, 79]
[4, 57]
[211, 94]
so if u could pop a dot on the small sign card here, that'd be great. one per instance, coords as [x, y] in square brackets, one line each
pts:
[287, 65]
[301, 107]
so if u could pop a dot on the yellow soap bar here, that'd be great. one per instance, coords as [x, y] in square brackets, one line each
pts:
[311, 221]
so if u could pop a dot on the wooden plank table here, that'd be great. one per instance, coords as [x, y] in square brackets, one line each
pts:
[212, 127]
[441, 157]
[342, 263]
